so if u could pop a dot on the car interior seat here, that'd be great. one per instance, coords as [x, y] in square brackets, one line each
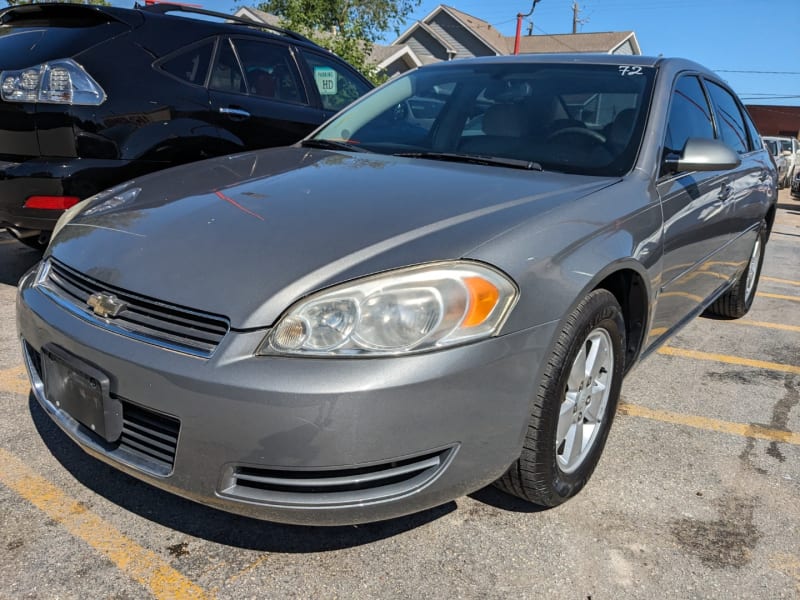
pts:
[504, 127]
[618, 132]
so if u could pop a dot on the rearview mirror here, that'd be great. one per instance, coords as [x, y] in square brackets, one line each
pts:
[701, 154]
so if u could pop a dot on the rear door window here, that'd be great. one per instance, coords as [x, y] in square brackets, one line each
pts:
[270, 71]
[226, 75]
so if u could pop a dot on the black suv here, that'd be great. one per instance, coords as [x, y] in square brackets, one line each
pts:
[93, 96]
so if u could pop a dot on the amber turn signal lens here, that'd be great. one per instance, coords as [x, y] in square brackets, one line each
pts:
[483, 297]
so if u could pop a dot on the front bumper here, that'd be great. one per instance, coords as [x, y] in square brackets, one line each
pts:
[79, 177]
[307, 441]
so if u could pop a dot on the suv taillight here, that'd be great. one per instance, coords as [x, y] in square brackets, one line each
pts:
[55, 82]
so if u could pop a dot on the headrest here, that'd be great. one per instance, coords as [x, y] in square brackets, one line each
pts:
[507, 120]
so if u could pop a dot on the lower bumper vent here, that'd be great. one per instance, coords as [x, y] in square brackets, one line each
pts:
[335, 487]
[150, 436]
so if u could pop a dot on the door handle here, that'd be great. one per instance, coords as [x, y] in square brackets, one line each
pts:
[725, 191]
[234, 112]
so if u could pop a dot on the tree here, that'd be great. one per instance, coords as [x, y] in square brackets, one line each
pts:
[95, 2]
[347, 27]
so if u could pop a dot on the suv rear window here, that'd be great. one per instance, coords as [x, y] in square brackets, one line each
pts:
[25, 42]
[190, 65]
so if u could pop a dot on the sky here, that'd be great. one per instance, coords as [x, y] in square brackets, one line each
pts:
[753, 44]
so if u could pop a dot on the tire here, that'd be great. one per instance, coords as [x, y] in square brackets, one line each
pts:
[737, 300]
[547, 473]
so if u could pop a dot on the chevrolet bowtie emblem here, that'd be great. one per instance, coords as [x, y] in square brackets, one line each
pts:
[106, 305]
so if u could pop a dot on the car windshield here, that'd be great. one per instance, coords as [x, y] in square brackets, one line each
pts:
[576, 118]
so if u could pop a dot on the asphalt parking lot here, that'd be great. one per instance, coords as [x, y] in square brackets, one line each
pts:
[696, 496]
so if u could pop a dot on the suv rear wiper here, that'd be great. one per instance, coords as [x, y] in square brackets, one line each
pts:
[514, 163]
[331, 145]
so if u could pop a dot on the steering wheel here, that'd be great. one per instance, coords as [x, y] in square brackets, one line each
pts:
[595, 136]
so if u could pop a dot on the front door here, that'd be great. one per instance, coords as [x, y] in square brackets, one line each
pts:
[695, 208]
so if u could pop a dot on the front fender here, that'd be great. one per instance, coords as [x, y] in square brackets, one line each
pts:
[574, 248]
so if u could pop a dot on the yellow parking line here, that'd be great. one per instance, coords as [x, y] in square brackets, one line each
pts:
[780, 326]
[731, 360]
[750, 431]
[14, 380]
[778, 280]
[787, 564]
[766, 325]
[778, 296]
[144, 566]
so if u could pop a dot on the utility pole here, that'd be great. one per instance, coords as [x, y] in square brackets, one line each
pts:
[575, 11]
[520, 16]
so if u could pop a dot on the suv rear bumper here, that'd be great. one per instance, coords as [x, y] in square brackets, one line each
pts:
[80, 177]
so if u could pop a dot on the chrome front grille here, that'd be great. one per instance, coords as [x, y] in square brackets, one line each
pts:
[145, 319]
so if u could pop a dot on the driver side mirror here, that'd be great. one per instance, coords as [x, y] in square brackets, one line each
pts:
[701, 154]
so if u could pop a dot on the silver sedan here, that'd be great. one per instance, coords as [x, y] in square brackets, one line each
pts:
[398, 311]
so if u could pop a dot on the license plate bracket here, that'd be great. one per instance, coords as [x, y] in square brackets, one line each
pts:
[82, 391]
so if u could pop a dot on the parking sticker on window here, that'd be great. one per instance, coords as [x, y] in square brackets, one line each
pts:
[326, 80]
[630, 70]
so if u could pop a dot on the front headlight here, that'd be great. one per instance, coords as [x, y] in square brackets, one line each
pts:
[398, 312]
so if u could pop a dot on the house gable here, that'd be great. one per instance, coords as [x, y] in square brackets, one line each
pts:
[427, 45]
[460, 39]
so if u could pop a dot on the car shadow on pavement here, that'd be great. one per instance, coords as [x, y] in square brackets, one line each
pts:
[791, 208]
[494, 497]
[206, 523]
[15, 260]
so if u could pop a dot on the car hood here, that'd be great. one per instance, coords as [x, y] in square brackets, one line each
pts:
[245, 236]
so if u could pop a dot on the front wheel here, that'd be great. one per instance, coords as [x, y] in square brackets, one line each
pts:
[574, 406]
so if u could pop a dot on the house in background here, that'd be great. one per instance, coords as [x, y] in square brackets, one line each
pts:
[447, 33]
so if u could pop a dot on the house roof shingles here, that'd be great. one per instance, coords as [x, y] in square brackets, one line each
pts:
[573, 42]
[482, 29]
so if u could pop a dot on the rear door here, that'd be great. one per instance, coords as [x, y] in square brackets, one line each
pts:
[750, 183]
[257, 94]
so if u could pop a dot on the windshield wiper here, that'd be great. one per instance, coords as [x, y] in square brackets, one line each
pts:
[331, 145]
[475, 159]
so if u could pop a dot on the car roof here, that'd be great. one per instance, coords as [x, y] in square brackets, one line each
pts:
[133, 17]
[587, 58]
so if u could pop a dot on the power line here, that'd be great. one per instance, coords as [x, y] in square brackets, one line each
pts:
[759, 72]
